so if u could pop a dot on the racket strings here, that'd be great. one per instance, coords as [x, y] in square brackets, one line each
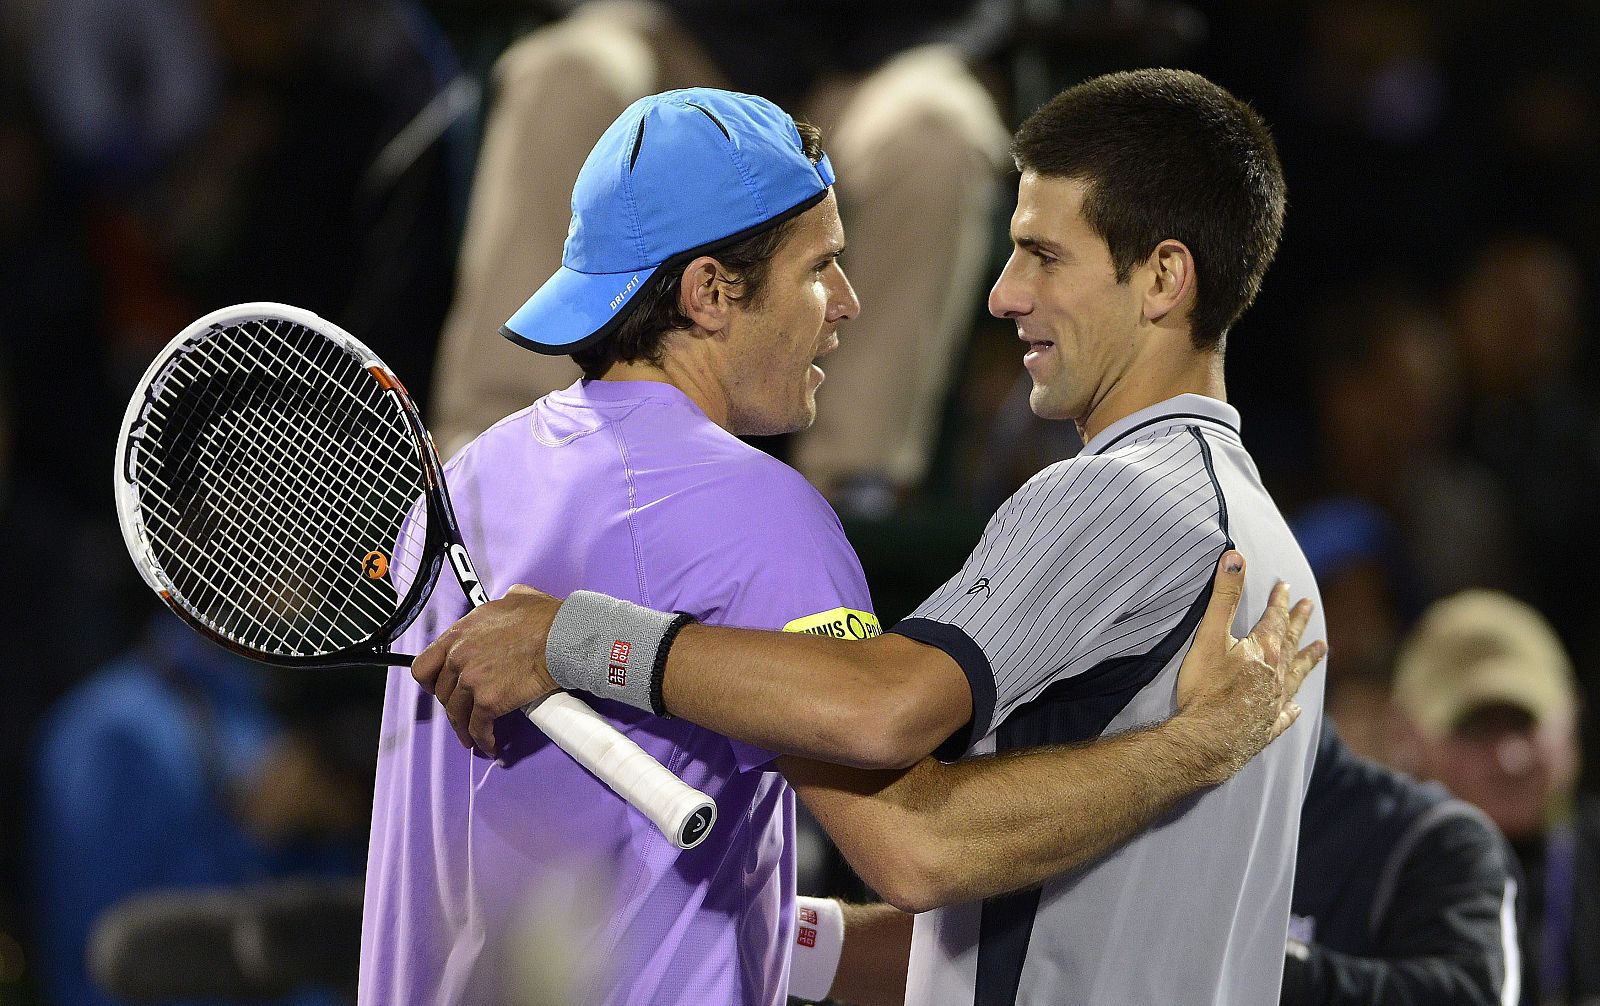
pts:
[290, 580]
[338, 428]
[249, 508]
[293, 474]
[279, 479]
[292, 477]
[233, 444]
[163, 510]
[270, 505]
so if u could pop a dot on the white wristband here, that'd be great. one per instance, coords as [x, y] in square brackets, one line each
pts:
[818, 942]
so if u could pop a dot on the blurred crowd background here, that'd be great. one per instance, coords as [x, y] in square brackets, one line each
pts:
[1417, 378]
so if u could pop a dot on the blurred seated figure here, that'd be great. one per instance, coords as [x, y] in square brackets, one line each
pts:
[1388, 396]
[250, 942]
[1491, 710]
[916, 139]
[1518, 316]
[1402, 894]
[225, 151]
[1369, 591]
[182, 766]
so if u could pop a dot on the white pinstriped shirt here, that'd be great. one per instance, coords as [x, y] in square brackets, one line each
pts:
[1070, 619]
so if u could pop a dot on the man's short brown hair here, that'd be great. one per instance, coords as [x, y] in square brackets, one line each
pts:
[1168, 154]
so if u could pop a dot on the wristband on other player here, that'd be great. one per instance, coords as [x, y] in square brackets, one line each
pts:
[818, 942]
[611, 648]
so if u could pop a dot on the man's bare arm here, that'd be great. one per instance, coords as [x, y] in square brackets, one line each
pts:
[880, 703]
[936, 834]
[877, 951]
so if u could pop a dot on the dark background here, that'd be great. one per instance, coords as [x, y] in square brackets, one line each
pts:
[1416, 379]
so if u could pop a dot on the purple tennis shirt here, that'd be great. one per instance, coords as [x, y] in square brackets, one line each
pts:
[484, 874]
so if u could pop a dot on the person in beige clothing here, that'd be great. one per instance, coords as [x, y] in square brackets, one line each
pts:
[917, 137]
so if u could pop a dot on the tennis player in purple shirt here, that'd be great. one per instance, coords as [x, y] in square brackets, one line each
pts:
[634, 485]
[699, 284]
[625, 487]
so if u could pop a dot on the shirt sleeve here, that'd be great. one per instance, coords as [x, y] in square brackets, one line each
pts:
[1095, 559]
[788, 568]
[1449, 935]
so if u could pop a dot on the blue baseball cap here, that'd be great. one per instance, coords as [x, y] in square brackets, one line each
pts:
[679, 174]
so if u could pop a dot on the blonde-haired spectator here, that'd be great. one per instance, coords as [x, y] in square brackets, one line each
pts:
[1490, 708]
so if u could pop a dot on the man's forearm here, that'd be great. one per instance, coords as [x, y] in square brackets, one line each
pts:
[938, 834]
[882, 702]
[877, 951]
[878, 703]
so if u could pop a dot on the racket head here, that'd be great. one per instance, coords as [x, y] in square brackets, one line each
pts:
[277, 489]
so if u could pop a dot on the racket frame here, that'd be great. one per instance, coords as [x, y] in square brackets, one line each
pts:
[441, 539]
[682, 813]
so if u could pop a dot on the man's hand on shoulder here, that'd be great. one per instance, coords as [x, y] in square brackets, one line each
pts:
[490, 663]
[1238, 694]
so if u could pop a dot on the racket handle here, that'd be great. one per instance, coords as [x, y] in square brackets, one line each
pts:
[684, 814]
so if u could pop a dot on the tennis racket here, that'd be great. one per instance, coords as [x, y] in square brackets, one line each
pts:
[277, 488]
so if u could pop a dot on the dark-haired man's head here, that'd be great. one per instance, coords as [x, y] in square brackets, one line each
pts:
[1149, 199]
[1166, 154]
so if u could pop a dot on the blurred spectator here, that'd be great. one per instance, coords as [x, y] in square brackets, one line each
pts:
[171, 768]
[1402, 896]
[916, 140]
[1368, 593]
[158, 157]
[1517, 314]
[63, 566]
[48, 341]
[1388, 392]
[1374, 67]
[1368, 94]
[124, 83]
[229, 151]
[1492, 711]
[1528, 95]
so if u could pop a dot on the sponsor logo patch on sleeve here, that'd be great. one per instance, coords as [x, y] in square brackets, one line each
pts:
[840, 623]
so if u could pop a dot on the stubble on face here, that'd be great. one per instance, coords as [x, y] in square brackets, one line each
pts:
[1061, 289]
[771, 380]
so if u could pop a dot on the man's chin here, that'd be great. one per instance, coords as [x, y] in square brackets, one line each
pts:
[1047, 406]
[776, 426]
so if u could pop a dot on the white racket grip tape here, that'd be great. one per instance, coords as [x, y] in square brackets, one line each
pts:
[684, 814]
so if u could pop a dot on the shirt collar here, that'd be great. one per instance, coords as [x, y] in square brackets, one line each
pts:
[618, 392]
[1182, 410]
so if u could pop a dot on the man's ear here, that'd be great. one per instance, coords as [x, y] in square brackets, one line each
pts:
[703, 294]
[1173, 284]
